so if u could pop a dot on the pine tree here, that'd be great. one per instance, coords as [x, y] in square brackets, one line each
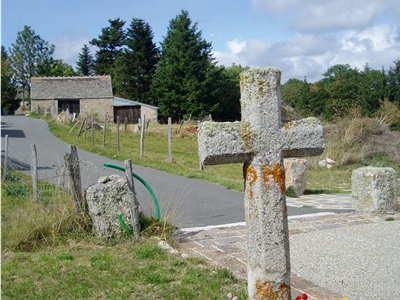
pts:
[85, 62]
[135, 66]
[8, 87]
[110, 43]
[184, 75]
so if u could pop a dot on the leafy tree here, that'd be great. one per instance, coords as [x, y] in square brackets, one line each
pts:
[394, 82]
[185, 72]
[227, 91]
[8, 87]
[85, 63]
[30, 56]
[341, 82]
[371, 90]
[290, 91]
[60, 68]
[110, 43]
[135, 66]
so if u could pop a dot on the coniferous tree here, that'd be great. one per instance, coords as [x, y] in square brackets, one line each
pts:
[135, 66]
[85, 62]
[185, 72]
[110, 43]
[8, 87]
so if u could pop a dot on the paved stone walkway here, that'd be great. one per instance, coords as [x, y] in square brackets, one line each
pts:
[225, 246]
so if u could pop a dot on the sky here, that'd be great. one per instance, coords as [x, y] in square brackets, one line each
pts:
[303, 38]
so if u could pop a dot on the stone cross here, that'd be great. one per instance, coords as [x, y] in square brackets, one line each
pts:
[261, 141]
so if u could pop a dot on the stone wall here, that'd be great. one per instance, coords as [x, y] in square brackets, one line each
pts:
[97, 106]
[44, 106]
[87, 106]
[150, 113]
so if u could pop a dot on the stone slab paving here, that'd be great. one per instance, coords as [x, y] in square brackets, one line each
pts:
[331, 201]
[225, 245]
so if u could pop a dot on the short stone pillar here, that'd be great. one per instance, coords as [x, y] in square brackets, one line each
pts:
[374, 189]
[105, 200]
[296, 174]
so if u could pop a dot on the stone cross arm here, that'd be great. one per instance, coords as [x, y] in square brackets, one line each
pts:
[230, 142]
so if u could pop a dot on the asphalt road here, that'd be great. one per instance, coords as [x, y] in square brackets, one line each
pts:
[187, 202]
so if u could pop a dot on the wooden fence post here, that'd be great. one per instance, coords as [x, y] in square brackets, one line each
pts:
[84, 133]
[169, 140]
[5, 162]
[142, 136]
[125, 123]
[80, 129]
[92, 128]
[72, 165]
[132, 198]
[118, 121]
[104, 130]
[34, 172]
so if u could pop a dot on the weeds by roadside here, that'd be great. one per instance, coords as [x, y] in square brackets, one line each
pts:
[47, 253]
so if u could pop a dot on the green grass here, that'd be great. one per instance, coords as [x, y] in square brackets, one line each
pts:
[185, 157]
[48, 254]
[87, 271]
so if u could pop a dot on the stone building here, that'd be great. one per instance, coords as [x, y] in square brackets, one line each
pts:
[83, 95]
[133, 111]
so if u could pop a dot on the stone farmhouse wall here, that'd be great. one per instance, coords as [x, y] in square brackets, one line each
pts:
[150, 113]
[93, 93]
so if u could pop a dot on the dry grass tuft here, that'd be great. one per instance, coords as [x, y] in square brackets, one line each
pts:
[352, 141]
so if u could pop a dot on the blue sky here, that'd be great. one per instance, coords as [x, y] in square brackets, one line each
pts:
[301, 37]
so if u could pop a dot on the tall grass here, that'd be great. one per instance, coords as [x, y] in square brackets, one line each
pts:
[47, 253]
[28, 224]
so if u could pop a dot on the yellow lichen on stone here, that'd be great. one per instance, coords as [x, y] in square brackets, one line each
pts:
[277, 173]
[290, 124]
[247, 137]
[251, 177]
[265, 290]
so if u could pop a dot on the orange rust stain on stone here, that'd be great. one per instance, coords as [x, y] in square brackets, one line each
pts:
[265, 290]
[277, 173]
[251, 177]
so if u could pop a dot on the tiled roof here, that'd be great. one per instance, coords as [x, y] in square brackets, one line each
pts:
[71, 87]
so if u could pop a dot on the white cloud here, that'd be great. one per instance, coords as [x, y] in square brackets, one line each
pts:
[327, 15]
[68, 48]
[236, 46]
[310, 55]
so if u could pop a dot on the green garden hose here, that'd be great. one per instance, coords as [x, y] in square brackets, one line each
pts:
[121, 221]
[158, 215]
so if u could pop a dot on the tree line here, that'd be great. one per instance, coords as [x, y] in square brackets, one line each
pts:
[181, 76]
[343, 88]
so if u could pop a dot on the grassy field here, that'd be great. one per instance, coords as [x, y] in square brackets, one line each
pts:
[185, 157]
[47, 253]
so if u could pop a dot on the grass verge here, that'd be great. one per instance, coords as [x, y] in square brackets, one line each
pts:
[48, 254]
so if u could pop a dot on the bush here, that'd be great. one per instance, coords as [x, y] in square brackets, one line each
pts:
[352, 141]
[389, 114]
